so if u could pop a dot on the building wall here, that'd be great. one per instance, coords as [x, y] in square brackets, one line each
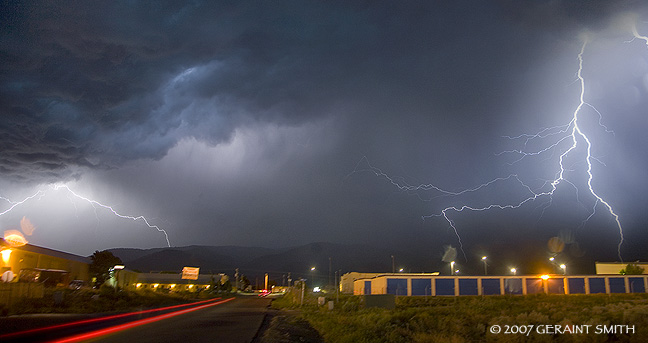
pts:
[425, 285]
[21, 259]
[615, 267]
[347, 281]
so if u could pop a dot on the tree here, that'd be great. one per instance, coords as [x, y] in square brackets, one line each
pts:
[101, 266]
[632, 269]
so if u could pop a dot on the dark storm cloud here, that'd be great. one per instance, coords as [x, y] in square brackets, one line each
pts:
[95, 84]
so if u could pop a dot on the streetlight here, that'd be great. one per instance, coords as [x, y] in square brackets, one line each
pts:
[564, 268]
[452, 267]
[393, 265]
[401, 270]
[514, 271]
[485, 266]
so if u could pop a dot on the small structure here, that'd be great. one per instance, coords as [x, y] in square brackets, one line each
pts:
[609, 268]
[434, 285]
[347, 280]
[173, 282]
[31, 257]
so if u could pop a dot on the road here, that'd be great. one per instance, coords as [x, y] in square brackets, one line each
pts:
[230, 320]
[234, 321]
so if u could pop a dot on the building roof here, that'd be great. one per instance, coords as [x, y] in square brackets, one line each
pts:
[51, 252]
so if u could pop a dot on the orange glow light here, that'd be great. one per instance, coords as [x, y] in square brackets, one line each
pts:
[544, 277]
[5, 255]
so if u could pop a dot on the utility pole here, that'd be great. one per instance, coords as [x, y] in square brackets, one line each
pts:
[393, 265]
[303, 282]
[329, 275]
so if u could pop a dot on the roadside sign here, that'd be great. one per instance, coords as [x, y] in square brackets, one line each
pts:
[190, 273]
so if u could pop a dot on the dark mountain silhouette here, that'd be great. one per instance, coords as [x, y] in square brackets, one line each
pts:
[278, 263]
[254, 262]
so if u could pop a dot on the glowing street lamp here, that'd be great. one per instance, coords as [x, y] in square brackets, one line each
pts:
[564, 268]
[452, 267]
[6, 255]
[313, 275]
[485, 265]
[514, 271]
[401, 270]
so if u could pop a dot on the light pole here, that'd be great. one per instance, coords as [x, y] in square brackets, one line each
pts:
[485, 265]
[452, 267]
[329, 275]
[564, 268]
[393, 265]
[313, 276]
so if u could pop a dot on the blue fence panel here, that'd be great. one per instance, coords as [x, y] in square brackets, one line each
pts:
[468, 287]
[367, 287]
[597, 285]
[534, 286]
[421, 286]
[576, 285]
[491, 286]
[556, 286]
[637, 285]
[513, 286]
[444, 286]
[617, 285]
[397, 286]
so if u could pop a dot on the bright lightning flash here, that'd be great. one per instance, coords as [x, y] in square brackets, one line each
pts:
[571, 131]
[94, 203]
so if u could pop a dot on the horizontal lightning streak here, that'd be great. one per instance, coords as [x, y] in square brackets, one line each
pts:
[92, 202]
[135, 218]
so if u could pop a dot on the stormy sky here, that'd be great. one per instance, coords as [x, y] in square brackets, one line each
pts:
[269, 123]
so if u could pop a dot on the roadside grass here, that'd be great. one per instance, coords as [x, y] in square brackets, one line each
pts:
[468, 318]
[106, 299]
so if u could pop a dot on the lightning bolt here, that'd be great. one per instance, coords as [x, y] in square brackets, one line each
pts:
[94, 204]
[14, 204]
[636, 34]
[562, 134]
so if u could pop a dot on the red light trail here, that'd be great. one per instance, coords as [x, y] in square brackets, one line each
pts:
[206, 303]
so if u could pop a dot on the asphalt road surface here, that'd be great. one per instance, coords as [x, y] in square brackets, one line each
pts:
[234, 321]
[218, 320]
